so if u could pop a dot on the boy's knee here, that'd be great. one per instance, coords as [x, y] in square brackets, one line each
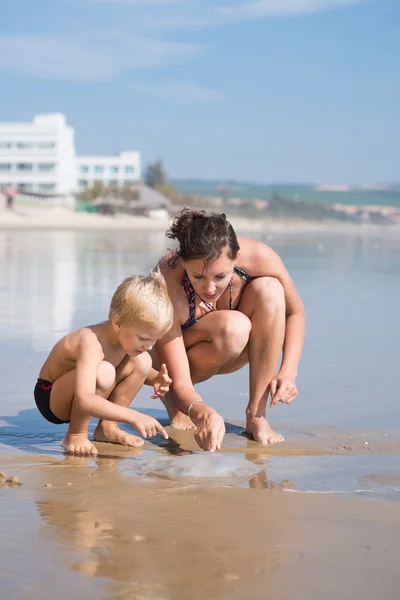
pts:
[233, 332]
[143, 364]
[105, 376]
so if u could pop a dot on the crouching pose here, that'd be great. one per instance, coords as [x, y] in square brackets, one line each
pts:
[97, 370]
[234, 304]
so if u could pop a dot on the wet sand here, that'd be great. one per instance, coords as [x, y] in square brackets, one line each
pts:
[315, 517]
[79, 526]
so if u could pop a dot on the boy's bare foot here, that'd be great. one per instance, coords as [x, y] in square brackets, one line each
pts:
[177, 419]
[78, 443]
[112, 434]
[259, 428]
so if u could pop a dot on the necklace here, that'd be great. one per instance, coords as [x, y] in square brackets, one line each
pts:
[213, 308]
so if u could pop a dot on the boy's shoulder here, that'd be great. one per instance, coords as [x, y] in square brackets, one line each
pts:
[86, 336]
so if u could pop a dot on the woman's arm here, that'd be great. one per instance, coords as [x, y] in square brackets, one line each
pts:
[171, 351]
[210, 425]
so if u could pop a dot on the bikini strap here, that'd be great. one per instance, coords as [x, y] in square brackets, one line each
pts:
[243, 274]
[190, 293]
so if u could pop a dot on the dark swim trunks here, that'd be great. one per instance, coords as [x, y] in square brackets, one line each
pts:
[42, 399]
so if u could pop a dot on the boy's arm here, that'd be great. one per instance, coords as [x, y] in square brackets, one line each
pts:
[89, 357]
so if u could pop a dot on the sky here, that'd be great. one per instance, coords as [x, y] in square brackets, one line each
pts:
[250, 90]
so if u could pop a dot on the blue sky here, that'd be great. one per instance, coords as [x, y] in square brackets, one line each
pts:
[255, 90]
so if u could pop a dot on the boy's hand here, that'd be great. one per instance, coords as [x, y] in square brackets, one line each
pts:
[283, 389]
[147, 426]
[161, 383]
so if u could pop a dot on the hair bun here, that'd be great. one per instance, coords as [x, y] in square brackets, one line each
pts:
[183, 221]
[202, 236]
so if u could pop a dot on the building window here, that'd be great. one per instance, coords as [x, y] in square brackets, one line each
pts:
[24, 145]
[5, 145]
[47, 187]
[113, 183]
[84, 169]
[4, 167]
[47, 167]
[82, 183]
[46, 145]
[129, 169]
[128, 183]
[25, 187]
[99, 169]
[114, 169]
[25, 167]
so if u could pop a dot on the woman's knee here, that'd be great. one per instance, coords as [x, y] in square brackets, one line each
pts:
[270, 292]
[232, 333]
[105, 377]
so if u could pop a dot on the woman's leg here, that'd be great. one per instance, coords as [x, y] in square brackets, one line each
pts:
[63, 406]
[223, 342]
[263, 302]
[131, 374]
[216, 341]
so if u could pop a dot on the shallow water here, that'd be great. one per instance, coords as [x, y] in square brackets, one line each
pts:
[166, 521]
[53, 282]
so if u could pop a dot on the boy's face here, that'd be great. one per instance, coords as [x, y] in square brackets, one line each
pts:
[136, 339]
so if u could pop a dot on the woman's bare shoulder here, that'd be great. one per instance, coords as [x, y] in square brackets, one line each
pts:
[171, 269]
[250, 249]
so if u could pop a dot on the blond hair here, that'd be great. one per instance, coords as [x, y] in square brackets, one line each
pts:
[143, 300]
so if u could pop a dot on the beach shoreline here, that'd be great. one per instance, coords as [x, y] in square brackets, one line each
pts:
[59, 218]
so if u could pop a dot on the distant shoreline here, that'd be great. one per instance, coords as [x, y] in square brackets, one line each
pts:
[58, 218]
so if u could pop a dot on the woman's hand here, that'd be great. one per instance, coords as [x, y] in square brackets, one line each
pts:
[210, 430]
[283, 389]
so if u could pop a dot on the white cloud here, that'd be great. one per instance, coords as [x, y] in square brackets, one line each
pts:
[96, 56]
[136, 42]
[180, 91]
[254, 9]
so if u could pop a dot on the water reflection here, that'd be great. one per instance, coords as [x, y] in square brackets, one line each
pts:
[142, 540]
[52, 281]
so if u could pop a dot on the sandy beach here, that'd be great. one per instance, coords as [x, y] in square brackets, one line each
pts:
[90, 526]
[56, 218]
[314, 517]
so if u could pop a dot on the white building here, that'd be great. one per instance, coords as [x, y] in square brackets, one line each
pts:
[39, 156]
[122, 170]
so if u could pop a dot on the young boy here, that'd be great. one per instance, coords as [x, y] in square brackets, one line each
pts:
[96, 371]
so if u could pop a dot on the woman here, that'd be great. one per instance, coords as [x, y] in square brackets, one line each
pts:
[234, 303]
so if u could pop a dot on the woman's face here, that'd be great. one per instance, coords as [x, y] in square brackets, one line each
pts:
[211, 280]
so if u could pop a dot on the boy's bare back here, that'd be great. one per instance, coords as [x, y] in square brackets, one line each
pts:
[64, 355]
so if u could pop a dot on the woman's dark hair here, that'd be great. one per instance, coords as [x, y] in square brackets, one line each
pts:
[202, 236]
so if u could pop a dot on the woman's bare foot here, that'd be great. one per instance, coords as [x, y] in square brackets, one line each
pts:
[259, 428]
[112, 434]
[177, 419]
[78, 443]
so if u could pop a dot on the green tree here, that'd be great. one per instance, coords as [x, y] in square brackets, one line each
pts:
[155, 174]
[91, 193]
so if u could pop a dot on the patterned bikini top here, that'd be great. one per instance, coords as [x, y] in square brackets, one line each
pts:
[191, 296]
